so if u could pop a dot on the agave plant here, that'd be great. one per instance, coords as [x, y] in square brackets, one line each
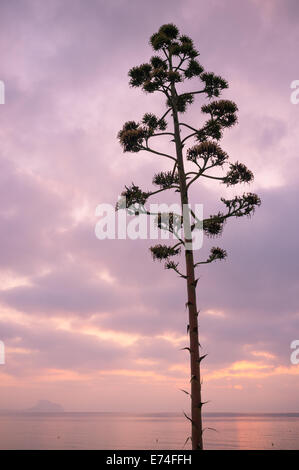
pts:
[176, 61]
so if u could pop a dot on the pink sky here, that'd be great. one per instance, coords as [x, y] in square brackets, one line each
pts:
[96, 325]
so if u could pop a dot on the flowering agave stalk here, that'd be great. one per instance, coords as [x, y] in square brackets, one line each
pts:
[174, 62]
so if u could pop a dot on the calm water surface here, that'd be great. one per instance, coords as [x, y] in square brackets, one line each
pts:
[159, 431]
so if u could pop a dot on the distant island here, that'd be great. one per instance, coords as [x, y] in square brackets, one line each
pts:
[45, 406]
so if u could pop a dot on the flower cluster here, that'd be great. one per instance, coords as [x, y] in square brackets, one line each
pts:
[165, 179]
[156, 75]
[194, 69]
[132, 195]
[214, 225]
[160, 252]
[184, 100]
[152, 76]
[168, 37]
[216, 253]
[211, 129]
[171, 265]
[238, 173]
[181, 101]
[153, 123]
[139, 75]
[209, 152]
[242, 205]
[131, 136]
[213, 84]
[223, 111]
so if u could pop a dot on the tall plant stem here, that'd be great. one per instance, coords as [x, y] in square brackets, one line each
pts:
[196, 402]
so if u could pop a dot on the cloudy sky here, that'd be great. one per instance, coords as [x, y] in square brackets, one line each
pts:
[96, 325]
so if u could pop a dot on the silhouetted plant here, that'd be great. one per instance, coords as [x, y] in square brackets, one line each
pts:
[176, 63]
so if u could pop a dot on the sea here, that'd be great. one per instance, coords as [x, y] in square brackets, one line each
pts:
[151, 431]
